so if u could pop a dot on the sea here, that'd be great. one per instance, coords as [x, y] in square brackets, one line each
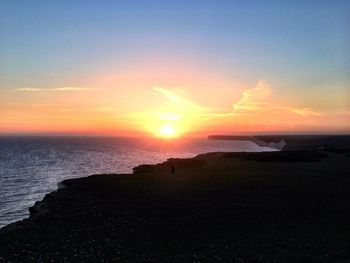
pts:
[31, 167]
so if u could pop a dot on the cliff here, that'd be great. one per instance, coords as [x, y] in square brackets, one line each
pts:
[289, 206]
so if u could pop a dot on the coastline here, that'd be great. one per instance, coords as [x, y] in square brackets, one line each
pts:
[292, 142]
[285, 206]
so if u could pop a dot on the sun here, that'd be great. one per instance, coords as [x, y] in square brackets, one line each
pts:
[167, 131]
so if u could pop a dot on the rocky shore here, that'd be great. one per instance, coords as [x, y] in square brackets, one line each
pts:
[289, 206]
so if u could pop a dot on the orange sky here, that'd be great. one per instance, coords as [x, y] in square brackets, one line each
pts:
[209, 106]
[174, 68]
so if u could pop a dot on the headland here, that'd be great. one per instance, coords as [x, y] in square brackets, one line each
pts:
[284, 206]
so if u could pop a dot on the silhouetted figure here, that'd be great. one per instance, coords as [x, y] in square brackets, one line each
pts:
[172, 169]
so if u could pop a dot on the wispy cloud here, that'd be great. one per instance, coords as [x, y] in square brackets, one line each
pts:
[53, 105]
[29, 89]
[179, 105]
[173, 97]
[258, 100]
[254, 100]
[305, 111]
[74, 89]
[69, 88]
[259, 109]
[173, 108]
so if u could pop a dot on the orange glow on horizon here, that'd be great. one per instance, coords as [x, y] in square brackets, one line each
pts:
[164, 112]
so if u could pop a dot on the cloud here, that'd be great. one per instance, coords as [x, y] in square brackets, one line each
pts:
[258, 101]
[258, 109]
[254, 100]
[174, 109]
[53, 105]
[179, 106]
[74, 89]
[29, 89]
[57, 89]
[172, 96]
[305, 111]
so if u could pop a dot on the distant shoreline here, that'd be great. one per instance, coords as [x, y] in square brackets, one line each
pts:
[291, 142]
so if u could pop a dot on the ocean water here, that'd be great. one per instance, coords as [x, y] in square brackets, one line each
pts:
[31, 167]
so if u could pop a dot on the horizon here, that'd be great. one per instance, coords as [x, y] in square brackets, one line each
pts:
[183, 136]
[176, 69]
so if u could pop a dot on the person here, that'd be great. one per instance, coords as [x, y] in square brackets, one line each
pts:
[172, 169]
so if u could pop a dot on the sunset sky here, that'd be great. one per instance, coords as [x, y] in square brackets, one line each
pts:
[172, 68]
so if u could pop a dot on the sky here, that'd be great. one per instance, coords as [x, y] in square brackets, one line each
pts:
[170, 68]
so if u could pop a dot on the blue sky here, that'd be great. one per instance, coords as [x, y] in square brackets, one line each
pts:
[47, 35]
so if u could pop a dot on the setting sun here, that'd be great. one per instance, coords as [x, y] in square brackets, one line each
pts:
[167, 131]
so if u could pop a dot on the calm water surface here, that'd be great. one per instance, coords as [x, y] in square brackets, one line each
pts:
[30, 167]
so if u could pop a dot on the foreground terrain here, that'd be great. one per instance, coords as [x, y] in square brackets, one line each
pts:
[291, 206]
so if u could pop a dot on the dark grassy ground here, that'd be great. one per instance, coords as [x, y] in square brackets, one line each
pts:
[216, 208]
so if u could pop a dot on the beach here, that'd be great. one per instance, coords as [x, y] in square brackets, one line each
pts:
[288, 206]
